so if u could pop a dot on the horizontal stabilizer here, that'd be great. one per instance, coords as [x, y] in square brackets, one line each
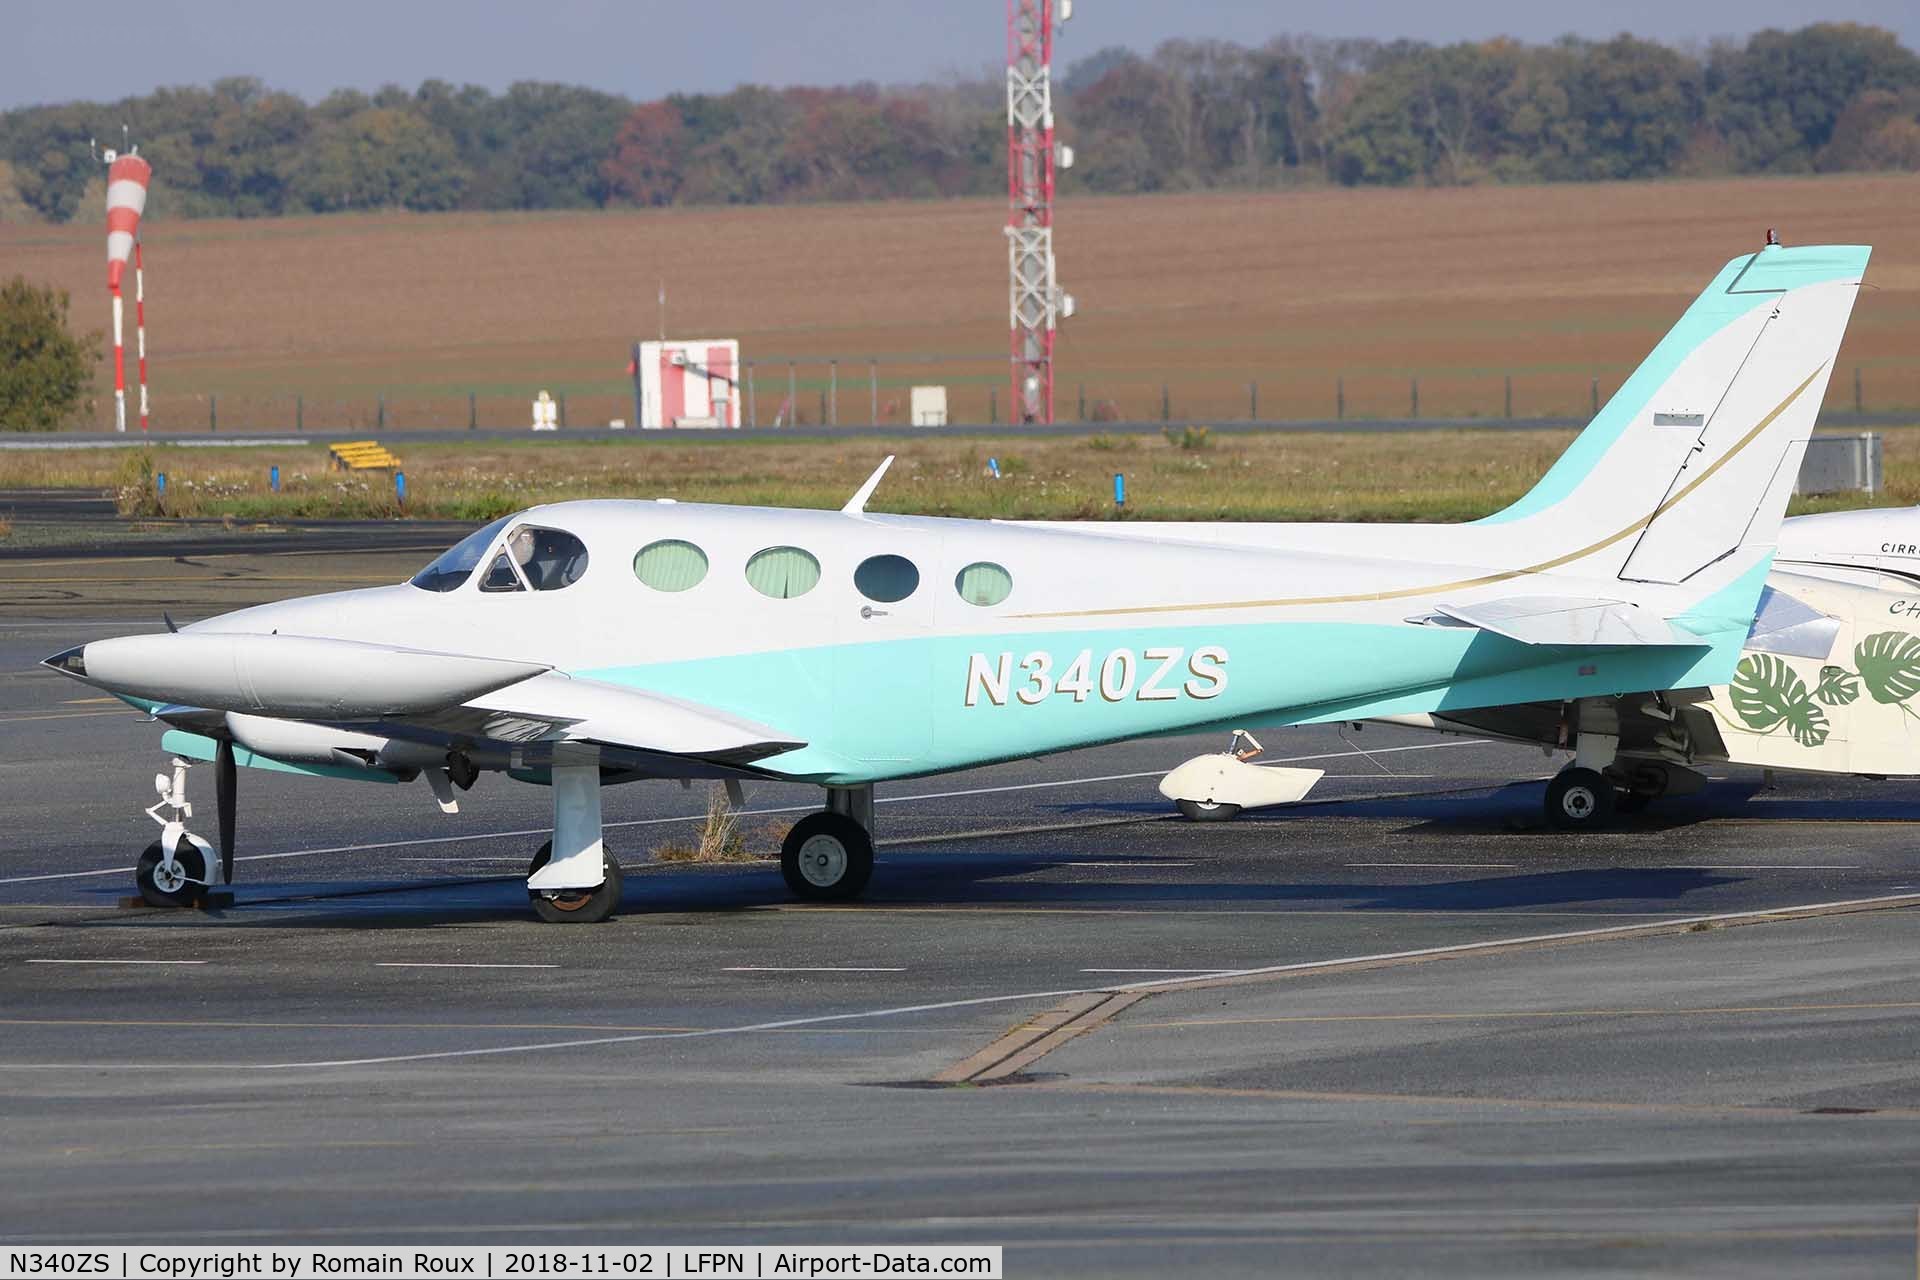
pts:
[1571, 621]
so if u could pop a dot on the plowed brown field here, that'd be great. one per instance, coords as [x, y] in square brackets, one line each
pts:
[1553, 286]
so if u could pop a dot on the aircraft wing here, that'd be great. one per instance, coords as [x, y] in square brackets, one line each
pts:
[192, 681]
[1571, 621]
[590, 711]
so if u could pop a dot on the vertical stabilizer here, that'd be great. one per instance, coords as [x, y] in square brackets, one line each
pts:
[1695, 457]
[1732, 487]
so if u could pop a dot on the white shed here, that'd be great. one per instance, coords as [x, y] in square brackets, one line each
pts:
[687, 382]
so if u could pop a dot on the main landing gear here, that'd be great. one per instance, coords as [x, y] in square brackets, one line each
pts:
[828, 856]
[1600, 784]
[1579, 799]
[573, 879]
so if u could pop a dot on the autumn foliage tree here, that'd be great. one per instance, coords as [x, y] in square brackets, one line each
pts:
[1190, 115]
[648, 163]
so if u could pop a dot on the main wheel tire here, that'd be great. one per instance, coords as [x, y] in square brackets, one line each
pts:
[576, 906]
[1644, 784]
[161, 889]
[827, 857]
[1579, 800]
[1207, 810]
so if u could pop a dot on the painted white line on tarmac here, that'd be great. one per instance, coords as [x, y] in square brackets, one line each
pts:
[977, 1002]
[1142, 862]
[696, 817]
[452, 964]
[807, 968]
[1763, 866]
[1183, 971]
[113, 962]
[1495, 866]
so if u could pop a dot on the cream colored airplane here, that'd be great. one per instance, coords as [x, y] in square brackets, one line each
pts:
[589, 643]
[1828, 682]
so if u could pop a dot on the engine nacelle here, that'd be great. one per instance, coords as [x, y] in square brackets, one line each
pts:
[298, 742]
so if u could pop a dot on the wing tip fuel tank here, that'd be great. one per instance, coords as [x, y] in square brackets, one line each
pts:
[279, 675]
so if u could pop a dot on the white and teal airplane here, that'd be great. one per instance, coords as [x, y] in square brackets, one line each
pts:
[587, 643]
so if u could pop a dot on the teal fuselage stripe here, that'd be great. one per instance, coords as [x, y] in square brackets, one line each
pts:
[891, 709]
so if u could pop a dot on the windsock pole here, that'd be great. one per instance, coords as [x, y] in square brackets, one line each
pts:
[119, 364]
[140, 325]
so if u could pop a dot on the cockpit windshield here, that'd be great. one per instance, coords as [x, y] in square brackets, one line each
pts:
[457, 563]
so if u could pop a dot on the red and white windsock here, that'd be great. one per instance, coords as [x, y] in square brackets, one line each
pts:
[127, 178]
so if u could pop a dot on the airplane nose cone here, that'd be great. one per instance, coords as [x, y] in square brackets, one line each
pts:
[69, 662]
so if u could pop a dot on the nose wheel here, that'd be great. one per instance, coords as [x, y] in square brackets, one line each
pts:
[827, 857]
[170, 882]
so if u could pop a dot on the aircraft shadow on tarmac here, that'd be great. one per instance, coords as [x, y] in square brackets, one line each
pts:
[1515, 808]
[1010, 879]
[998, 872]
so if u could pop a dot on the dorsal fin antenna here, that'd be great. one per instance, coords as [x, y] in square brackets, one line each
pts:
[857, 504]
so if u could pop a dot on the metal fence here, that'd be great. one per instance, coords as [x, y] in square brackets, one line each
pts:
[1841, 464]
[859, 391]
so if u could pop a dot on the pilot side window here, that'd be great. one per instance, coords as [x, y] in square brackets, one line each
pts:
[550, 558]
[501, 576]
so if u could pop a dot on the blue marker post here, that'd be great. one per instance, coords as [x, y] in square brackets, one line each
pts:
[273, 478]
[160, 484]
[993, 466]
[1119, 489]
[400, 487]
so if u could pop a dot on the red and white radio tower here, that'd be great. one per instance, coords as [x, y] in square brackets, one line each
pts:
[1036, 301]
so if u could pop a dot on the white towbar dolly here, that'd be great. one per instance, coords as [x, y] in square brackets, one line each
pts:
[1217, 786]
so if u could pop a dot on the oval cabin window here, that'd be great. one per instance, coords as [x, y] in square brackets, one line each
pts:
[886, 579]
[783, 573]
[670, 565]
[983, 583]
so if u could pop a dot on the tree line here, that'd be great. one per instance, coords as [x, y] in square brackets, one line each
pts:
[1189, 116]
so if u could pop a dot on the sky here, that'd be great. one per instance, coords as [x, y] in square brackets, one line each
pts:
[54, 50]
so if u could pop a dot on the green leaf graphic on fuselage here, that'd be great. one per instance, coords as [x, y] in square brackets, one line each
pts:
[1889, 663]
[1838, 686]
[1766, 692]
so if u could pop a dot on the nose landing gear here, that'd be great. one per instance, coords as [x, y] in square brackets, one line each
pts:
[172, 872]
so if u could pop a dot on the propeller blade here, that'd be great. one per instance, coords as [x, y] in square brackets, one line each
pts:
[225, 782]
